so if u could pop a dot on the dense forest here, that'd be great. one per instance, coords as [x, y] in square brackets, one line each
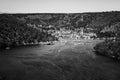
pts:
[15, 32]
[110, 47]
[20, 29]
[97, 21]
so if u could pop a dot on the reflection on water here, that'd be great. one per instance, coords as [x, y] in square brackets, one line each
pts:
[57, 62]
[24, 50]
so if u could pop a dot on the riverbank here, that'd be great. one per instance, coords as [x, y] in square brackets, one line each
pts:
[29, 44]
[62, 61]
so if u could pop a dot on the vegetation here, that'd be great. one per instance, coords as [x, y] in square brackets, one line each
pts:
[62, 62]
[15, 32]
[19, 29]
[110, 47]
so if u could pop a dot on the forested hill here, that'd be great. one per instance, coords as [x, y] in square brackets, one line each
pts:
[97, 20]
[15, 32]
[76, 20]
[18, 29]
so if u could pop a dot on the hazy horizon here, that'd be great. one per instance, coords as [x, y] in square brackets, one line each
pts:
[58, 6]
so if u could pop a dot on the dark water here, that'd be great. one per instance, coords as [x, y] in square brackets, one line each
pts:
[67, 62]
[24, 49]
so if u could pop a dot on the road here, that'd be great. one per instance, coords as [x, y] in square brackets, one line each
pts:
[66, 60]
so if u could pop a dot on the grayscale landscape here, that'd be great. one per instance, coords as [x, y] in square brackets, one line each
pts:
[59, 40]
[82, 46]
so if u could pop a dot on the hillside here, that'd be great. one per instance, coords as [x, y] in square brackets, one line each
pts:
[76, 20]
[21, 29]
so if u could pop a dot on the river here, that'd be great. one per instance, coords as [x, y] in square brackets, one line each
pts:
[69, 60]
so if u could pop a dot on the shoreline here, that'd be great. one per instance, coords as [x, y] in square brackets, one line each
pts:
[29, 44]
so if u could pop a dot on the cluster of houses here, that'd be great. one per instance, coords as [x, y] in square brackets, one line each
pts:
[72, 34]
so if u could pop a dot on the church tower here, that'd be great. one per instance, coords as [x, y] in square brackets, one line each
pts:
[82, 31]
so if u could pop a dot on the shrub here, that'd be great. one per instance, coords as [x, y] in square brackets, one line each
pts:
[14, 33]
[108, 48]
